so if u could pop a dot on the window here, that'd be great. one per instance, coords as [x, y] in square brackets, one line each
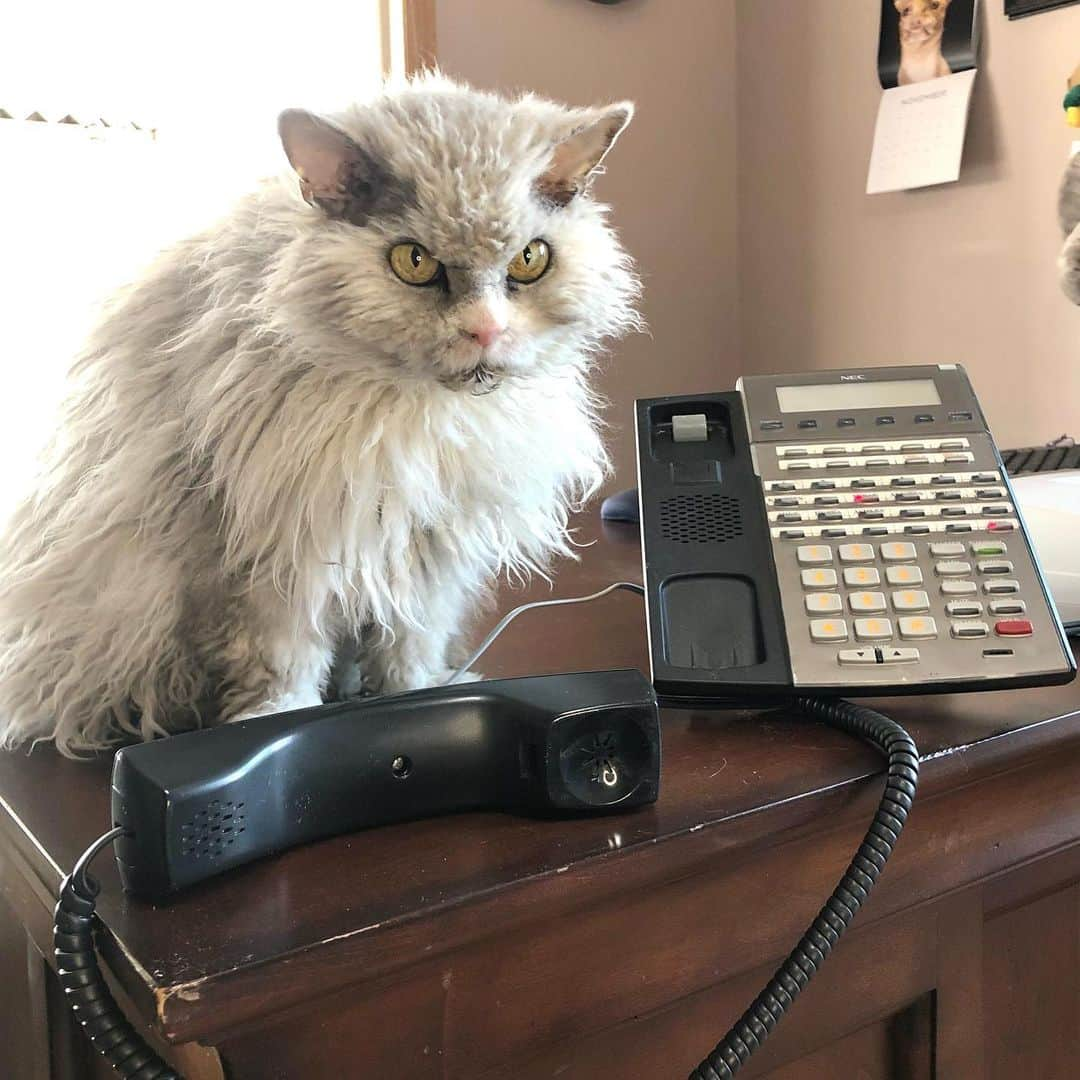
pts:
[124, 126]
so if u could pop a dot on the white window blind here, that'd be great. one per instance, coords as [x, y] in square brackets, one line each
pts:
[169, 113]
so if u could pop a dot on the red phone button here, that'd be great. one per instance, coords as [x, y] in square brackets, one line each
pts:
[1013, 628]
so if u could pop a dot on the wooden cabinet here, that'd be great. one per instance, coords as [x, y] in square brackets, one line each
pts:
[486, 946]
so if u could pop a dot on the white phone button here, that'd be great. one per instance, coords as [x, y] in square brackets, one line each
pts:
[873, 629]
[819, 579]
[903, 575]
[917, 626]
[861, 577]
[911, 600]
[899, 656]
[958, 588]
[1001, 587]
[857, 656]
[824, 603]
[952, 569]
[869, 603]
[897, 552]
[828, 630]
[946, 551]
[996, 566]
[814, 554]
[963, 608]
[850, 553]
[1007, 607]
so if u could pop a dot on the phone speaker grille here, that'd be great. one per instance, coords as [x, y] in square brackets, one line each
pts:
[700, 519]
[211, 831]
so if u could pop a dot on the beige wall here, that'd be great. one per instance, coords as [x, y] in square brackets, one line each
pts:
[964, 272]
[671, 179]
[759, 248]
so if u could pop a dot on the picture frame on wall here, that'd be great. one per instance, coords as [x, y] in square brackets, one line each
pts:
[1018, 9]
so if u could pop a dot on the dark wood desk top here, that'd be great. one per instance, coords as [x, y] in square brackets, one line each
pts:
[359, 907]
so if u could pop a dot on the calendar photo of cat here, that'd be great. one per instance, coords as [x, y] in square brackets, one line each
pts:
[926, 39]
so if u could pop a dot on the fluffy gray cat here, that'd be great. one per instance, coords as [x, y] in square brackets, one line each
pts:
[314, 435]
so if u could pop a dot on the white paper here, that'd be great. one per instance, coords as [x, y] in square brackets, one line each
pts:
[919, 136]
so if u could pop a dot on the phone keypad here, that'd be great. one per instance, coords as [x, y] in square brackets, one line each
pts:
[832, 597]
[888, 569]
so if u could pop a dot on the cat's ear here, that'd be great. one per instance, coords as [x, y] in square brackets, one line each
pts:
[577, 156]
[336, 173]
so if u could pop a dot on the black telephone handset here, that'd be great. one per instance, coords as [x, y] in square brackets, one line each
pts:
[837, 532]
[195, 805]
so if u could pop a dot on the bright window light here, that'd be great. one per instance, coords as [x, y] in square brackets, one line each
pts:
[190, 94]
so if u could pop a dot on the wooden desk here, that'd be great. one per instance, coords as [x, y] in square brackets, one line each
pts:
[484, 946]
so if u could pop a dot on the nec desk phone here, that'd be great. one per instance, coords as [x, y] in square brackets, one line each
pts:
[803, 537]
[847, 531]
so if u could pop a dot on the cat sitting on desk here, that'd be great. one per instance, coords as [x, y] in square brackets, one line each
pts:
[312, 436]
[922, 24]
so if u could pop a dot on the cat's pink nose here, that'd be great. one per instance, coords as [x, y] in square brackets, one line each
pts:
[483, 333]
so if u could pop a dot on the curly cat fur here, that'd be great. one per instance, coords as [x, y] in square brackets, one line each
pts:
[272, 448]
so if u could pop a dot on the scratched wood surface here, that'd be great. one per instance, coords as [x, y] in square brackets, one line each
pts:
[357, 917]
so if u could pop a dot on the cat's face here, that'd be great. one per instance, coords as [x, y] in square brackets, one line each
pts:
[455, 238]
[921, 21]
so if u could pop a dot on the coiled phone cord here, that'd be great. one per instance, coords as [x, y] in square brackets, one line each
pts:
[803, 962]
[84, 986]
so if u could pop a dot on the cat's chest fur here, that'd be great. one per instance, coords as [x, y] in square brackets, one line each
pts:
[398, 488]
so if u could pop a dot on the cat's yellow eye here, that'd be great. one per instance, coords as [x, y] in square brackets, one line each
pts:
[414, 264]
[530, 263]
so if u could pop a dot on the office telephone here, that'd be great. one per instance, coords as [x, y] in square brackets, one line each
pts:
[803, 537]
[838, 531]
